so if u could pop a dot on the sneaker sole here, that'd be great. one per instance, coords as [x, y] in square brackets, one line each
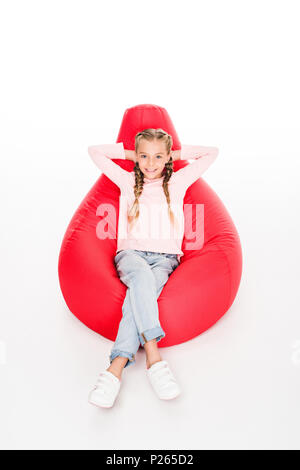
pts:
[171, 397]
[100, 405]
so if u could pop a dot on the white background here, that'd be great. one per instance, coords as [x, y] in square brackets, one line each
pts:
[227, 73]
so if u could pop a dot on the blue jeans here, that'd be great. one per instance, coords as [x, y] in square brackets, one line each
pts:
[144, 273]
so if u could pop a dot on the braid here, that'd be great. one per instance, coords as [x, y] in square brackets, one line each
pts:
[138, 189]
[167, 176]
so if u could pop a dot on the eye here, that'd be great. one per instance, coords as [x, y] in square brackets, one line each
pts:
[158, 156]
[143, 156]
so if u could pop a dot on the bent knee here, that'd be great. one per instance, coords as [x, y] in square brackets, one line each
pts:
[140, 275]
[131, 262]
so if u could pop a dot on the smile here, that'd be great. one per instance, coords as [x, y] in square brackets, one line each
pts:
[150, 171]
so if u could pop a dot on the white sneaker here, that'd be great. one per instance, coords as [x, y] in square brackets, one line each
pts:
[106, 390]
[163, 381]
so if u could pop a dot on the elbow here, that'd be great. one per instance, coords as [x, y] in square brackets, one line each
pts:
[94, 154]
[91, 151]
[215, 151]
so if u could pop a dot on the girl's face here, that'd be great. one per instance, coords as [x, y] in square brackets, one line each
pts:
[152, 157]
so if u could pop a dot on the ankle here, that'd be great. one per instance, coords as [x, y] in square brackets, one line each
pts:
[116, 373]
[150, 363]
[116, 367]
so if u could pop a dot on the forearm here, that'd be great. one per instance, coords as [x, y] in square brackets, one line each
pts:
[130, 155]
[197, 151]
[176, 155]
[204, 157]
[103, 156]
[104, 151]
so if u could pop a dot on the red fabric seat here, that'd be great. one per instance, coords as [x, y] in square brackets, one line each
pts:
[197, 294]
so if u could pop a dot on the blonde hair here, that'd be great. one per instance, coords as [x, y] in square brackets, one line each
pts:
[150, 135]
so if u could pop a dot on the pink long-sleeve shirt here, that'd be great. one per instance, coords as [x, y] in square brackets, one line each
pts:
[153, 230]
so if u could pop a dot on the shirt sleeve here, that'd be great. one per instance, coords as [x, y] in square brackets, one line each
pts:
[204, 157]
[102, 156]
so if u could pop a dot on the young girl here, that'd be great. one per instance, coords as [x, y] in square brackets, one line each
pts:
[145, 258]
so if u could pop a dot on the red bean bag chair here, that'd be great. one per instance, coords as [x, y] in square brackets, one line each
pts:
[198, 292]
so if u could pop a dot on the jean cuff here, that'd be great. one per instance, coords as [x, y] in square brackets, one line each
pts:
[117, 352]
[152, 333]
